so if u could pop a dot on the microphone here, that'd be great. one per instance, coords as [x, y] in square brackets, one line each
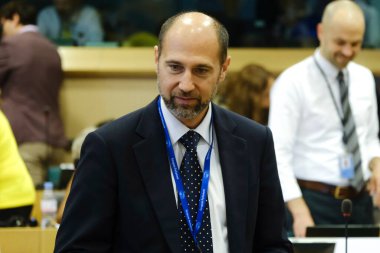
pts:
[346, 209]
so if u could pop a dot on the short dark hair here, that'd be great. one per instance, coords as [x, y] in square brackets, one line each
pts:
[220, 30]
[26, 11]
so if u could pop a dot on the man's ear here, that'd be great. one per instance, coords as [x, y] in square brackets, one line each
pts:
[320, 31]
[156, 56]
[225, 66]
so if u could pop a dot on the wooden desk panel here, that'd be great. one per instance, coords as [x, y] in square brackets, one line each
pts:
[27, 240]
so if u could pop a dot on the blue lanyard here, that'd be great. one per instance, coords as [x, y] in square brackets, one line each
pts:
[181, 192]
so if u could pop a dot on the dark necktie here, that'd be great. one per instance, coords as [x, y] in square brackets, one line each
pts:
[192, 174]
[350, 137]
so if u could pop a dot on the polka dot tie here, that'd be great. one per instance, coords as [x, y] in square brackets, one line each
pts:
[192, 174]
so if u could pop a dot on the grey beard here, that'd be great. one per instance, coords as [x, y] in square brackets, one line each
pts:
[184, 112]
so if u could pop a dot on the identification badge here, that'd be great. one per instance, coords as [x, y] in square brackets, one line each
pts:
[346, 165]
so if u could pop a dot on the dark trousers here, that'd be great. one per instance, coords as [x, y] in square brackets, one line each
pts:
[15, 217]
[325, 209]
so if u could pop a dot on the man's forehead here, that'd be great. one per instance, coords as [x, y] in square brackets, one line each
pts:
[353, 31]
[192, 23]
[195, 18]
[190, 58]
[196, 24]
[190, 39]
[194, 64]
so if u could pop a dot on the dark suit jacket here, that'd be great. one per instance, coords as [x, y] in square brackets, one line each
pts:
[122, 197]
[30, 80]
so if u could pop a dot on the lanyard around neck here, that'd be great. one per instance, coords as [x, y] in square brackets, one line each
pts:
[194, 229]
[330, 90]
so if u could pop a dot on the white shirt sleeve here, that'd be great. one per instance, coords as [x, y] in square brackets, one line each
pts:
[285, 110]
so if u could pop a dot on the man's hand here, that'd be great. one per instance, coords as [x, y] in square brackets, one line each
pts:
[301, 216]
[374, 182]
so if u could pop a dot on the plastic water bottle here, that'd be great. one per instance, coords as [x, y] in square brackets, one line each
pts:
[49, 206]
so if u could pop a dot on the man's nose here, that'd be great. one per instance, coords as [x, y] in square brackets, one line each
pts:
[186, 84]
[348, 50]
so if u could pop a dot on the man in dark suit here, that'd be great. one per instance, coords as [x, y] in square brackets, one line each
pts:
[30, 81]
[129, 194]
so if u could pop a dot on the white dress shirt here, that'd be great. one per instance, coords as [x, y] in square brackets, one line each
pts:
[216, 198]
[306, 125]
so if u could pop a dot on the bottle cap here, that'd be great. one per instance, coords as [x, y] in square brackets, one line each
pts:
[48, 185]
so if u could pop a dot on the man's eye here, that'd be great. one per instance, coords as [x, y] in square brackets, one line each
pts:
[201, 71]
[355, 44]
[340, 43]
[175, 68]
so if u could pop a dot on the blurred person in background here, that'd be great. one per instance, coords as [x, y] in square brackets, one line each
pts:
[75, 155]
[17, 192]
[70, 22]
[291, 26]
[323, 115]
[133, 17]
[30, 81]
[372, 20]
[247, 92]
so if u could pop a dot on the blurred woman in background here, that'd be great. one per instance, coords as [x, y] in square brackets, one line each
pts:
[247, 92]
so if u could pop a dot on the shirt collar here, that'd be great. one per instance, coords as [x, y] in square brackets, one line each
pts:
[177, 129]
[328, 68]
[28, 28]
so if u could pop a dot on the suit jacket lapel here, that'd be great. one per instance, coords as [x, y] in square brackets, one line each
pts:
[156, 173]
[235, 167]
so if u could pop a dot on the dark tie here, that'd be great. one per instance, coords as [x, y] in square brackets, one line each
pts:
[350, 137]
[192, 174]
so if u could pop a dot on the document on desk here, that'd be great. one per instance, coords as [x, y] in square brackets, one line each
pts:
[355, 244]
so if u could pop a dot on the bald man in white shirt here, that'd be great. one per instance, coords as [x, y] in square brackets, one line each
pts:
[306, 120]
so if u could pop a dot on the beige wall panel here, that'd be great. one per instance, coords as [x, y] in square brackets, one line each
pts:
[87, 101]
[104, 83]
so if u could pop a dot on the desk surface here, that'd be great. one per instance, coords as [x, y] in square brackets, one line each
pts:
[355, 244]
[31, 240]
